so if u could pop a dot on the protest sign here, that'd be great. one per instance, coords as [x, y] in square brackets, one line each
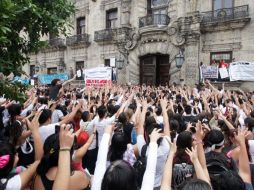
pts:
[98, 76]
[209, 72]
[223, 73]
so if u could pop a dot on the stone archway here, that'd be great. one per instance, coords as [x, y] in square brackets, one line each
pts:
[151, 46]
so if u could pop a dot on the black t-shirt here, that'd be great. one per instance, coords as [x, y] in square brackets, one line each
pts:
[53, 91]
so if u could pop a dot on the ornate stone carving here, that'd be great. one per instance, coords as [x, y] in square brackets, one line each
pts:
[132, 41]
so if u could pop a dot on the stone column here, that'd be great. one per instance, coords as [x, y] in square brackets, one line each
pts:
[190, 72]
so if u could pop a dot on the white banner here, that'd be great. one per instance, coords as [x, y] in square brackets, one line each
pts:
[98, 76]
[223, 73]
[209, 72]
[241, 70]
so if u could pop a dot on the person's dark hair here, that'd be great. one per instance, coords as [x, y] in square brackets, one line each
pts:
[54, 81]
[43, 100]
[14, 132]
[252, 114]
[249, 123]
[45, 115]
[229, 180]
[51, 153]
[158, 111]
[118, 146]
[182, 125]
[122, 118]
[187, 109]
[14, 110]
[102, 110]
[110, 108]
[85, 116]
[214, 137]
[79, 96]
[196, 184]
[7, 148]
[183, 141]
[174, 128]
[120, 175]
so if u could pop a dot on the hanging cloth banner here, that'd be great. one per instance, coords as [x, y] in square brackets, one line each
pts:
[98, 76]
[241, 70]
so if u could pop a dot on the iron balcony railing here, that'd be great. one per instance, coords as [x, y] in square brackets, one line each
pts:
[112, 34]
[154, 20]
[77, 39]
[57, 42]
[226, 14]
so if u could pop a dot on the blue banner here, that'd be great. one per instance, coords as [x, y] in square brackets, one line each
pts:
[46, 79]
[21, 80]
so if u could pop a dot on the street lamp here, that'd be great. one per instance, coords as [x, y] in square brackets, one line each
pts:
[179, 59]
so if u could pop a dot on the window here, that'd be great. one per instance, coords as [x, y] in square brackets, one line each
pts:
[81, 25]
[218, 57]
[107, 62]
[52, 70]
[80, 65]
[32, 70]
[111, 18]
[220, 4]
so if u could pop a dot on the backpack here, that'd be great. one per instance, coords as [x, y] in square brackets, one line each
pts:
[140, 165]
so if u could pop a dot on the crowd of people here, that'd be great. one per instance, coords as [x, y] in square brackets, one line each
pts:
[127, 137]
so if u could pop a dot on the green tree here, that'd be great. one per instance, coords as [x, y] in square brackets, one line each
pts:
[22, 23]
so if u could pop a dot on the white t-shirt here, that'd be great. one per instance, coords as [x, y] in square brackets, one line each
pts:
[251, 150]
[162, 154]
[13, 183]
[47, 130]
[101, 124]
[56, 115]
[89, 128]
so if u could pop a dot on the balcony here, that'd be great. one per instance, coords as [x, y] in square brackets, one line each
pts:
[57, 43]
[154, 20]
[112, 34]
[104, 35]
[227, 18]
[81, 39]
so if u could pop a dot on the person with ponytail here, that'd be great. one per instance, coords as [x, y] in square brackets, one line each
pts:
[48, 167]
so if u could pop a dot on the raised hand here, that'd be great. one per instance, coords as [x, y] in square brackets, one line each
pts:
[66, 137]
[155, 135]
[193, 153]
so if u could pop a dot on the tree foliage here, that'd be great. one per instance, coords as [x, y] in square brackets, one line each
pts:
[22, 23]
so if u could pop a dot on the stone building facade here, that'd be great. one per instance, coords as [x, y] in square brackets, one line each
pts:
[142, 38]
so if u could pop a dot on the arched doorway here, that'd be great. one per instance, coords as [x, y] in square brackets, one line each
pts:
[154, 69]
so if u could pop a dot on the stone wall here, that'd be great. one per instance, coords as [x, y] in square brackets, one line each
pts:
[188, 36]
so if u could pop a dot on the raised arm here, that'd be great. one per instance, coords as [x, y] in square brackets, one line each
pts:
[163, 103]
[167, 174]
[70, 116]
[68, 81]
[149, 175]
[140, 123]
[244, 163]
[198, 168]
[101, 162]
[34, 128]
[66, 138]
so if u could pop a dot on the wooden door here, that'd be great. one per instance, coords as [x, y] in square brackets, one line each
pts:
[148, 70]
[163, 69]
